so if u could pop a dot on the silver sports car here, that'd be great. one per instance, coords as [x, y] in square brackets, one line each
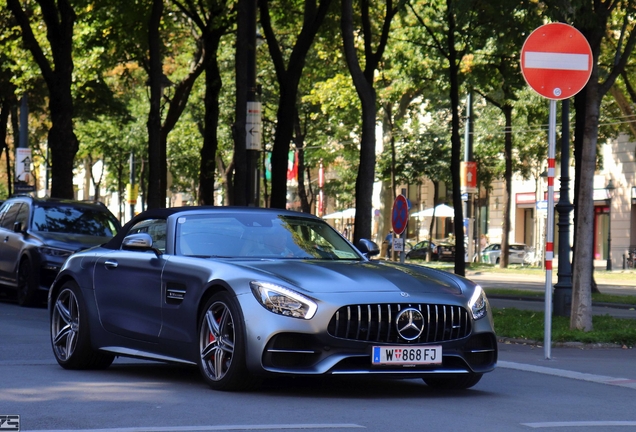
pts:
[246, 292]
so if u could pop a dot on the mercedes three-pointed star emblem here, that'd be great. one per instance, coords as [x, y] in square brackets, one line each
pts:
[410, 324]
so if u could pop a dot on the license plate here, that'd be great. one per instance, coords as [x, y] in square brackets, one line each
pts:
[400, 355]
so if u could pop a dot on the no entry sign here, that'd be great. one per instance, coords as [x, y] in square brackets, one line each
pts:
[399, 215]
[556, 61]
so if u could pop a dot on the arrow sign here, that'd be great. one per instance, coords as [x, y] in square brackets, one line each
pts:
[253, 126]
[556, 61]
[468, 177]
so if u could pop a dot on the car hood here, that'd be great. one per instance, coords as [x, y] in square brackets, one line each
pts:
[71, 242]
[369, 276]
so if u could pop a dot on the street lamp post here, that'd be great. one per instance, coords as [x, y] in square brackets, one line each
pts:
[610, 189]
[562, 297]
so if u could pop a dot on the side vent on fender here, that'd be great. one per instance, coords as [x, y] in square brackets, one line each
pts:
[175, 293]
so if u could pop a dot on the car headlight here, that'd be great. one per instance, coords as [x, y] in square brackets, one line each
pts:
[478, 303]
[55, 252]
[283, 301]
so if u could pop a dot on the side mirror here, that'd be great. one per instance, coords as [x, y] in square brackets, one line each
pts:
[368, 247]
[17, 227]
[139, 242]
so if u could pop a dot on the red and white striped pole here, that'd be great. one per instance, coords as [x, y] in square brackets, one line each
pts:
[549, 236]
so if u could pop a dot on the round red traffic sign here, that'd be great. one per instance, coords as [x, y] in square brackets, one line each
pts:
[556, 61]
[400, 214]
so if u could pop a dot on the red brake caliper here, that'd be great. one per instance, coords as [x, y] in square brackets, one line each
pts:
[212, 338]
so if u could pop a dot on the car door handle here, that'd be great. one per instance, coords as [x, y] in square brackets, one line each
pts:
[110, 264]
[6, 239]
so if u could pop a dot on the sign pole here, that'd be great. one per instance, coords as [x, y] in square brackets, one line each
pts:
[556, 61]
[549, 238]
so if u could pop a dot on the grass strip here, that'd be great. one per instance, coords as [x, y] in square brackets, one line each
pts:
[522, 324]
[596, 297]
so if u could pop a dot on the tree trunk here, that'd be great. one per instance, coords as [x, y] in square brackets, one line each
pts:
[288, 81]
[284, 135]
[299, 140]
[213, 86]
[59, 17]
[157, 176]
[460, 250]
[581, 317]
[594, 20]
[5, 109]
[507, 196]
[429, 254]
[238, 194]
[363, 82]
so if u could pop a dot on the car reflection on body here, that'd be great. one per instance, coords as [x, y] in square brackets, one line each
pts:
[247, 292]
[492, 253]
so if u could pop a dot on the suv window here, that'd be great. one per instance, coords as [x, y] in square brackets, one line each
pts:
[73, 220]
[10, 214]
[23, 217]
[3, 211]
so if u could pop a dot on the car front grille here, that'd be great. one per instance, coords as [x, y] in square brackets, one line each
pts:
[377, 323]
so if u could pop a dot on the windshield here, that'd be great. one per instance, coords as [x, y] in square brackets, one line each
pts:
[74, 220]
[262, 236]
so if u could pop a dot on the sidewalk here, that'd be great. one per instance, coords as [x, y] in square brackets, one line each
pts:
[603, 364]
[613, 284]
[610, 366]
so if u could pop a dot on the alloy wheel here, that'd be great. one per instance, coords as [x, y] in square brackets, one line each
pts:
[65, 324]
[216, 341]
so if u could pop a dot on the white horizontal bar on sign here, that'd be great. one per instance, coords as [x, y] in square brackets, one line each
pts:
[561, 61]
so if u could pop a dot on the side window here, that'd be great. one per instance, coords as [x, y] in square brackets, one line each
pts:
[23, 216]
[3, 211]
[9, 216]
[156, 228]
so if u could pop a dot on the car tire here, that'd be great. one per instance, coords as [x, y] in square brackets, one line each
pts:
[222, 345]
[459, 382]
[70, 334]
[27, 284]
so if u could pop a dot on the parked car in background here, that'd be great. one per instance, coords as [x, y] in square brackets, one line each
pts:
[420, 251]
[250, 292]
[38, 234]
[446, 251]
[491, 254]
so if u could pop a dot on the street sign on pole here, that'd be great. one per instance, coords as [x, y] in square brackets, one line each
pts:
[556, 61]
[468, 177]
[253, 126]
[399, 215]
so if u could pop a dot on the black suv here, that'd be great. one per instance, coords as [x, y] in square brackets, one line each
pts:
[38, 234]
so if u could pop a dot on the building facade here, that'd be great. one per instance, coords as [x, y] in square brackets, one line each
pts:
[614, 209]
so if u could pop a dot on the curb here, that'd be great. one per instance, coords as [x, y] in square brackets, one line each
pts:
[577, 345]
[538, 299]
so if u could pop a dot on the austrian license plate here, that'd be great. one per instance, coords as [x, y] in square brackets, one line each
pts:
[399, 355]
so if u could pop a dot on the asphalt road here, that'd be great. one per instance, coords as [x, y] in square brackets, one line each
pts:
[574, 389]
